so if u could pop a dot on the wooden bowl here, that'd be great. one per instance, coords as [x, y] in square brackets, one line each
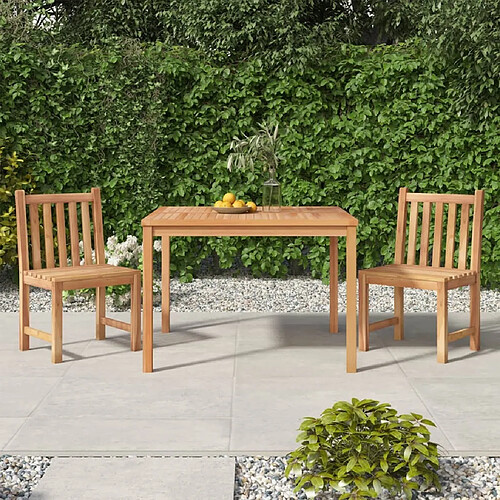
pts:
[231, 210]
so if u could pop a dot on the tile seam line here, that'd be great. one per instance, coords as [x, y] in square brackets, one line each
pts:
[233, 388]
[419, 396]
[195, 453]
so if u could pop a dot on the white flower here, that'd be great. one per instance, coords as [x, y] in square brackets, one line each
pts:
[112, 241]
[125, 253]
[157, 245]
[113, 260]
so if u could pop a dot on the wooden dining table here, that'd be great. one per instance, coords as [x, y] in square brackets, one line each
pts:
[332, 222]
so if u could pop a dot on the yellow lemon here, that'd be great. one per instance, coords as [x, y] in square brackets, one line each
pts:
[253, 206]
[229, 197]
[238, 204]
[240, 201]
[218, 203]
[226, 204]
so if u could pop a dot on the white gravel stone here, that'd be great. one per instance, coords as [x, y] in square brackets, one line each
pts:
[244, 294]
[460, 477]
[19, 475]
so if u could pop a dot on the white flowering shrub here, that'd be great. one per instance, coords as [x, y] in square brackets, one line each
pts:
[126, 253]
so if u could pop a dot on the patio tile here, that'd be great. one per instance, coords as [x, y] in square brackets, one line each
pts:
[416, 359]
[21, 395]
[37, 362]
[200, 324]
[471, 399]
[236, 382]
[477, 436]
[75, 331]
[196, 364]
[264, 434]
[300, 396]
[8, 428]
[319, 361]
[91, 478]
[52, 435]
[170, 396]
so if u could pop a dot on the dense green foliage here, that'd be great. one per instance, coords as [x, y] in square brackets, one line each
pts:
[361, 447]
[151, 126]
[283, 32]
[277, 30]
[467, 34]
[12, 176]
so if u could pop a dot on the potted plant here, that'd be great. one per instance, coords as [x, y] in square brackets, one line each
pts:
[261, 148]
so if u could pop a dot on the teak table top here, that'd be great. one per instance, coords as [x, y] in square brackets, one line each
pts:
[287, 216]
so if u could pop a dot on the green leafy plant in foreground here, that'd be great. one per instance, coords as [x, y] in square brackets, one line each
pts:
[12, 177]
[362, 447]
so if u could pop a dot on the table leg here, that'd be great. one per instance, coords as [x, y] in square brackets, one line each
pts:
[165, 284]
[147, 256]
[351, 343]
[334, 284]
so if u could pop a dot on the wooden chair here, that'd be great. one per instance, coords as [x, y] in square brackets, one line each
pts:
[55, 273]
[460, 268]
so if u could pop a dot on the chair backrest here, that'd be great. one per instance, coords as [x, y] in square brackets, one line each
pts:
[84, 215]
[427, 215]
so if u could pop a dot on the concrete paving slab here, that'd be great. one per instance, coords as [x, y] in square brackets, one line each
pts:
[137, 479]
[8, 428]
[419, 347]
[123, 436]
[172, 396]
[468, 398]
[236, 383]
[75, 327]
[21, 395]
[472, 436]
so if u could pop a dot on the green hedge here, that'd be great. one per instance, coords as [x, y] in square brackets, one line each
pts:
[151, 126]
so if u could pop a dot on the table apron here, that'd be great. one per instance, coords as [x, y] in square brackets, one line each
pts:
[249, 231]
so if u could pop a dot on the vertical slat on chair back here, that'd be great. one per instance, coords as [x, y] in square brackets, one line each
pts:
[401, 229]
[61, 235]
[22, 232]
[98, 229]
[84, 217]
[426, 229]
[477, 231]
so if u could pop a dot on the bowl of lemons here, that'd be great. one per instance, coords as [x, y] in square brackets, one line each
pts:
[230, 205]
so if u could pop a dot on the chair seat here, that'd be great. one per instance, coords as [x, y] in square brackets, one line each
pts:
[79, 273]
[414, 275]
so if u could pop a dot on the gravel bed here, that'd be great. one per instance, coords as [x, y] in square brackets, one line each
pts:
[19, 475]
[263, 478]
[244, 294]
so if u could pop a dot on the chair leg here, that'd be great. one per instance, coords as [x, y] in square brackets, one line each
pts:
[24, 315]
[100, 306]
[475, 295]
[135, 309]
[442, 324]
[399, 310]
[363, 333]
[57, 323]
